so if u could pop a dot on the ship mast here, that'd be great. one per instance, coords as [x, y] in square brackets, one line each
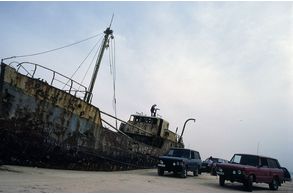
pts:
[107, 33]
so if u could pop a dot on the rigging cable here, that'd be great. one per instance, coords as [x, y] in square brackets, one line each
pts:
[83, 62]
[94, 57]
[112, 62]
[86, 57]
[51, 50]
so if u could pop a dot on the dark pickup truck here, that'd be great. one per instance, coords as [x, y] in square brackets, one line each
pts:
[247, 168]
[208, 165]
[179, 160]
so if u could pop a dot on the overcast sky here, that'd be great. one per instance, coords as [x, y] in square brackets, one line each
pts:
[228, 65]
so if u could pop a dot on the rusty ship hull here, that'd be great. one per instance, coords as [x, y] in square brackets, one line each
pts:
[41, 125]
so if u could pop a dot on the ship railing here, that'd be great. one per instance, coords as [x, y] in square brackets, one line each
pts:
[56, 79]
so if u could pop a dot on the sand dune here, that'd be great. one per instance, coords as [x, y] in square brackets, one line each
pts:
[28, 179]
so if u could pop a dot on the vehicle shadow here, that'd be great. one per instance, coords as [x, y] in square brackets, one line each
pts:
[153, 172]
[237, 187]
[171, 175]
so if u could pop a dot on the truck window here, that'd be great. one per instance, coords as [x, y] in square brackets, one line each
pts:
[197, 155]
[192, 155]
[264, 162]
[236, 159]
[249, 160]
[272, 163]
[179, 153]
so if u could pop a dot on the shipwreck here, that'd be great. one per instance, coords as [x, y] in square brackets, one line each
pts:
[47, 126]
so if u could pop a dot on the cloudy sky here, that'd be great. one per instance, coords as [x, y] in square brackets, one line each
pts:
[227, 64]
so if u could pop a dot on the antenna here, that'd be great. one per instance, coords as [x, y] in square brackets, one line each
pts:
[111, 20]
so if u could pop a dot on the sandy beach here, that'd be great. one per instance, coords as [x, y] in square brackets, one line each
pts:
[18, 179]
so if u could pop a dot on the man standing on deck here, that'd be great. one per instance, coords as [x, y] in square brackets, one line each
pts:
[154, 110]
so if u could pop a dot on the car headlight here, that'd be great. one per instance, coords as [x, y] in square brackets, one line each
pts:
[220, 169]
[161, 162]
[239, 172]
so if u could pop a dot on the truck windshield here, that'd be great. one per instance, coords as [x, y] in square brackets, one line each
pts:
[179, 153]
[245, 159]
[236, 159]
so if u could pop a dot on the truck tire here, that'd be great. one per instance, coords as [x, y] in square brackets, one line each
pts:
[274, 185]
[195, 172]
[184, 173]
[160, 171]
[249, 183]
[222, 180]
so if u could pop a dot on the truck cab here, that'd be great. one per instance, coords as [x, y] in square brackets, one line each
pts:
[149, 129]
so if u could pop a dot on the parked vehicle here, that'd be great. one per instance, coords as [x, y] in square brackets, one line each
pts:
[247, 168]
[287, 176]
[179, 160]
[209, 165]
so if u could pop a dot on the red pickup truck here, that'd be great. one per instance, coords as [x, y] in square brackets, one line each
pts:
[247, 168]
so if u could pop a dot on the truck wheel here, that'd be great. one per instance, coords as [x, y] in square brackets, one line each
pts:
[184, 173]
[195, 172]
[213, 172]
[222, 180]
[274, 185]
[160, 172]
[248, 183]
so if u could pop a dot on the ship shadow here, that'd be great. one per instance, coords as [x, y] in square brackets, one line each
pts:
[8, 169]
